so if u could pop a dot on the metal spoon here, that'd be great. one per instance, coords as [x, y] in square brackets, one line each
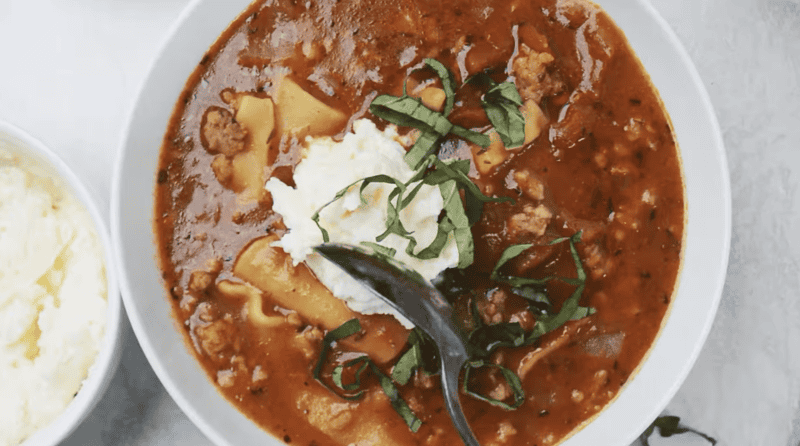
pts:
[424, 306]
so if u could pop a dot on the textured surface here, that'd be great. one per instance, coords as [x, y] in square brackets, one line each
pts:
[73, 88]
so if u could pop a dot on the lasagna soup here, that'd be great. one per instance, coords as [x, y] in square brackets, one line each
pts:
[514, 152]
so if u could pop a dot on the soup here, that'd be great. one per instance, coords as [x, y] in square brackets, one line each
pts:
[577, 203]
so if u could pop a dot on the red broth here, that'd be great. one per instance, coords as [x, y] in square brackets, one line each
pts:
[604, 164]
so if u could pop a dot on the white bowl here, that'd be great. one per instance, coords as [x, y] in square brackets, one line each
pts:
[35, 155]
[640, 401]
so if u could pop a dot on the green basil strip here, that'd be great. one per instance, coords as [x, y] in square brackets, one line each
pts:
[410, 112]
[349, 328]
[405, 366]
[487, 338]
[411, 359]
[356, 384]
[472, 136]
[507, 121]
[473, 197]
[508, 254]
[515, 250]
[364, 183]
[425, 145]
[380, 249]
[458, 170]
[571, 305]
[393, 223]
[461, 225]
[465, 245]
[340, 194]
[501, 104]
[568, 309]
[448, 84]
[582, 312]
[399, 405]
[668, 426]
[511, 378]
[504, 91]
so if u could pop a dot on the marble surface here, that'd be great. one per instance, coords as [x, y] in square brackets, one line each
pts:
[69, 70]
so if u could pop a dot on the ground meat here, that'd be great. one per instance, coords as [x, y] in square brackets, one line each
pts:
[491, 308]
[223, 169]
[595, 259]
[531, 220]
[534, 81]
[504, 434]
[424, 380]
[215, 337]
[222, 134]
[531, 186]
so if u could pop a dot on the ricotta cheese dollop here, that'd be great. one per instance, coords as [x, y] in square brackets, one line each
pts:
[52, 300]
[328, 167]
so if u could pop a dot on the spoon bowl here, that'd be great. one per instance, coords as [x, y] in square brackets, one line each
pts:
[412, 296]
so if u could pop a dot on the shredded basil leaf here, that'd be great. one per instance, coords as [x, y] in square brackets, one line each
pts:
[570, 309]
[336, 375]
[668, 426]
[412, 359]
[424, 146]
[380, 249]
[448, 84]
[501, 104]
[472, 136]
[515, 250]
[409, 112]
[487, 338]
[511, 378]
[349, 328]
[399, 405]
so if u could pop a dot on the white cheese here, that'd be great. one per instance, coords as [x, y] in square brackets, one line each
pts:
[328, 167]
[52, 301]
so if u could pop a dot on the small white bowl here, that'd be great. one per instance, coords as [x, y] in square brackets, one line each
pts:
[36, 156]
[639, 402]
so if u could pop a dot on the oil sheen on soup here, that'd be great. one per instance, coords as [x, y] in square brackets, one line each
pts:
[566, 210]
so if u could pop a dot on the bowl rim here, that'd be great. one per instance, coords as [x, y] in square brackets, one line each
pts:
[107, 360]
[648, 411]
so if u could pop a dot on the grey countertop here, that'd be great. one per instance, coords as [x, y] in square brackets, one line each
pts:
[69, 71]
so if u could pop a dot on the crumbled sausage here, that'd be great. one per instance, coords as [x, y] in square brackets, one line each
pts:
[223, 169]
[531, 186]
[200, 281]
[423, 380]
[530, 221]
[216, 336]
[259, 374]
[226, 378]
[504, 434]
[596, 260]
[501, 391]
[222, 134]
[534, 79]
[491, 308]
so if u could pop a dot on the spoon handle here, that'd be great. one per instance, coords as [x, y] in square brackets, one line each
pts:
[451, 367]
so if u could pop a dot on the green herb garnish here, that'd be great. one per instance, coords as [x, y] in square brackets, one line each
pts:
[451, 178]
[414, 358]
[363, 363]
[668, 426]
[345, 330]
[501, 102]
[511, 378]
